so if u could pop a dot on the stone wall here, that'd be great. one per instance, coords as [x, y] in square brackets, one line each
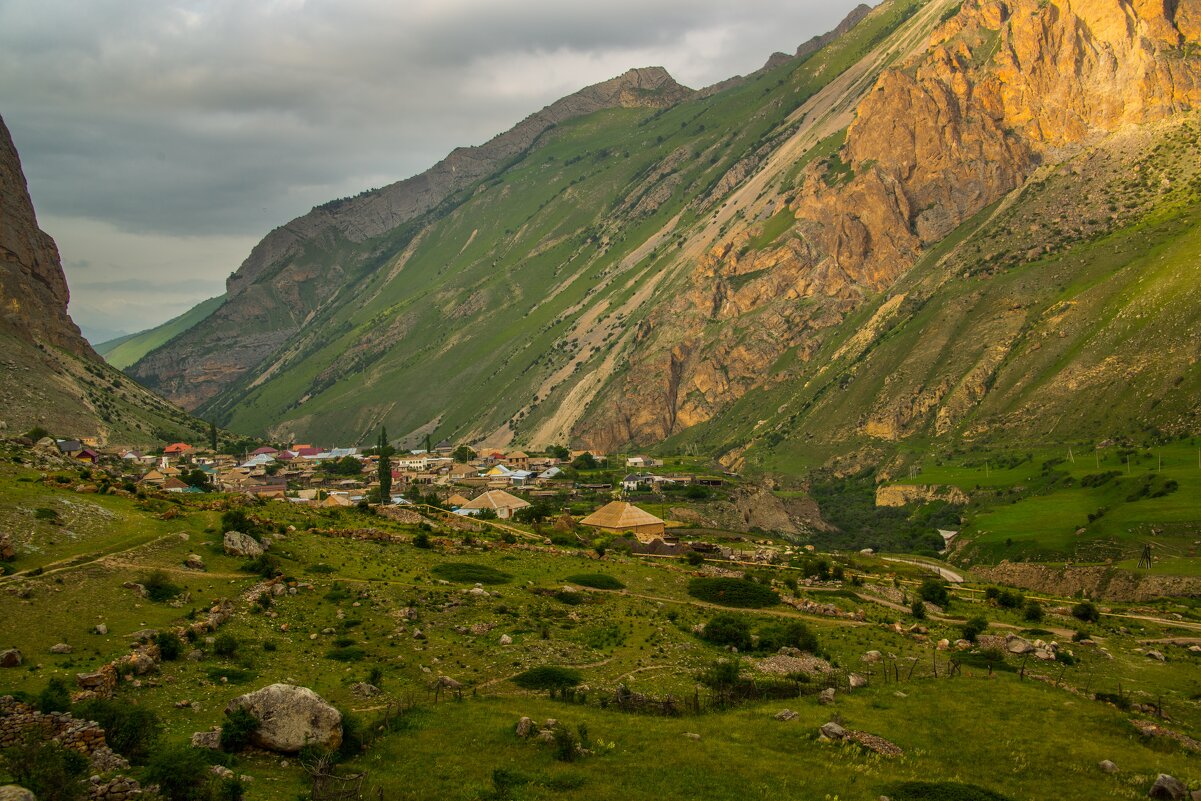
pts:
[19, 720]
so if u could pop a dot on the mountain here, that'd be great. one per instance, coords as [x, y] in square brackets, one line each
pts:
[49, 376]
[124, 351]
[944, 222]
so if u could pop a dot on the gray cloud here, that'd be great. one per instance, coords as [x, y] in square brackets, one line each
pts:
[198, 125]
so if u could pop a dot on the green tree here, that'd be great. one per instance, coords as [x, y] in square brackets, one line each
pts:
[463, 454]
[934, 591]
[385, 467]
[585, 461]
[213, 436]
[559, 452]
[974, 627]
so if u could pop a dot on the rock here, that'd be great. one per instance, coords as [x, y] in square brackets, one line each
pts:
[365, 689]
[10, 658]
[856, 681]
[833, 731]
[291, 717]
[525, 727]
[1018, 645]
[7, 551]
[505, 639]
[1107, 767]
[61, 648]
[100, 628]
[239, 544]
[943, 644]
[11, 792]
[872, 657]
[193, 561]
[221, 772]
[826, 696]
[418, 634]
[786, 714]
[1157, 656]
[278, 589]
[195, 655]
[210, 739]
[1168, 787]
[477, 591]
[691, 735]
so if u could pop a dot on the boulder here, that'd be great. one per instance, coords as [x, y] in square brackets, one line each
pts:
[833, 731]
[365, 689]
[290, 718]
[61, 648]
[826, 696]
[210, 739]
[7, 551]
[505, 639]
[525, 727]
[691, 735]
[872, 657]
[856, 681]
[193, 561]
[1168, 787]
[239, 544]
[10, 658]
[1157, 656]
[1107, 767]
[1017, 645]
[786, 715]
[100, 628]
[11, 792]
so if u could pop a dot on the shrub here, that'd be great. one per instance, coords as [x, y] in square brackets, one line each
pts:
[1033, 611]
[49, 771]
[694, 558]
[421, 540]
[264, 565]
[566, 744]
[918, 609]
[548, 677]
[974, 627]
[181, 772]
[354, 735]
[733, 592]
[159, 586]
[346, 653]
[469, 573]
[55, 697]
[45, 513]
[792, 633]
[728, 629]
[129, 730]
[1009, 599]
[237, 729]
[169, 645]
[941, 791]
[934, 591]
[597, 581]
[1086, 611]
[237, 520]
[225, 644]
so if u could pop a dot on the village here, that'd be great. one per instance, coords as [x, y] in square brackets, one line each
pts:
[597, 488]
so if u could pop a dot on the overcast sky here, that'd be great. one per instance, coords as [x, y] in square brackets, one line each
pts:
[161, 140]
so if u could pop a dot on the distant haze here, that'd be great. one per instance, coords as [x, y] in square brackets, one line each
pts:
[162, 140]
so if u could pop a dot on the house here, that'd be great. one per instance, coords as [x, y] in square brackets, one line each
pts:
[173, 484]
[620, 517]
[265, 450]
[456, 500]
[520, 477]
[417, 463]
[634, 480]
[498, 501]
[336, 500]
[444, 447]
[517, 460]
[86, 455]
[177, 449]
[153, 477]
[499, 472]
[643, 461]
[550, 472]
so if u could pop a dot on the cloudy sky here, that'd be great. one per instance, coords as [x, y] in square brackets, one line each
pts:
[161, 140]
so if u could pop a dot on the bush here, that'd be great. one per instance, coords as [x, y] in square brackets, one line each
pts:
[49, 771]
[941, 791]
[159, 586]
[694, 558]
[169, 645]
[974, 627]
[918, 609]
[934, 591]
[237, 729]
[264, 565]
[468, 573]
[55, 697]
[548, 677]
[728, 629]
[129, 730]
[597, 581]
[421, 540]
[793, 634]
[739, 593]
[346, 653]
[181, 772]
[225, 644]
[1009, 599]
[1033, 611]
[1086, 611]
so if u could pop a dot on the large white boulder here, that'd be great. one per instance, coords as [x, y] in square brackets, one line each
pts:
[290, 718]
[239, 544]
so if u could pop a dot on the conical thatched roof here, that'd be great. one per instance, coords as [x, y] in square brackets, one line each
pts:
[496, 499]
[456, 500]
[620, 515]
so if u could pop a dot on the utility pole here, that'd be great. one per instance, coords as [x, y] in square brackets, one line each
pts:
[1145, 559]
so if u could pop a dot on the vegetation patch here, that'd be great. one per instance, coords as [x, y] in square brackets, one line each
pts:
[942, 791]
[597, 581]
[737, 592]
[468, 573]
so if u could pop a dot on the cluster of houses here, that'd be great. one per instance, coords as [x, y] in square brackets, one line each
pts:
[336, 477]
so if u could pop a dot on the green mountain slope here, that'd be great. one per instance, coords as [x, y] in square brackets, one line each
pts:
[124, 351]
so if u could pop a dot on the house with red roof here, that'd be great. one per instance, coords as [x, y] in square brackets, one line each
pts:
[177, 449]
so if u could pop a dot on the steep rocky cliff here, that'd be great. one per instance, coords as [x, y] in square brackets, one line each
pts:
[49, 375]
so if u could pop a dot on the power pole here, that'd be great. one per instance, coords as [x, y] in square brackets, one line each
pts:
[1145, 559]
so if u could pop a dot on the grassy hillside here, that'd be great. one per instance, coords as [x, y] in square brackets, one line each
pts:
[347, 620]
[124, 351]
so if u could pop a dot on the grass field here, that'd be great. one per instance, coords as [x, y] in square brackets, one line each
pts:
[996, 731]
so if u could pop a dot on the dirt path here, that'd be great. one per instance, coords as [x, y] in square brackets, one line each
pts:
[946, 573]
[74, 562]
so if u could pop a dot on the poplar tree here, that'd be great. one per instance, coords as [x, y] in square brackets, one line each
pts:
[385, 468]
